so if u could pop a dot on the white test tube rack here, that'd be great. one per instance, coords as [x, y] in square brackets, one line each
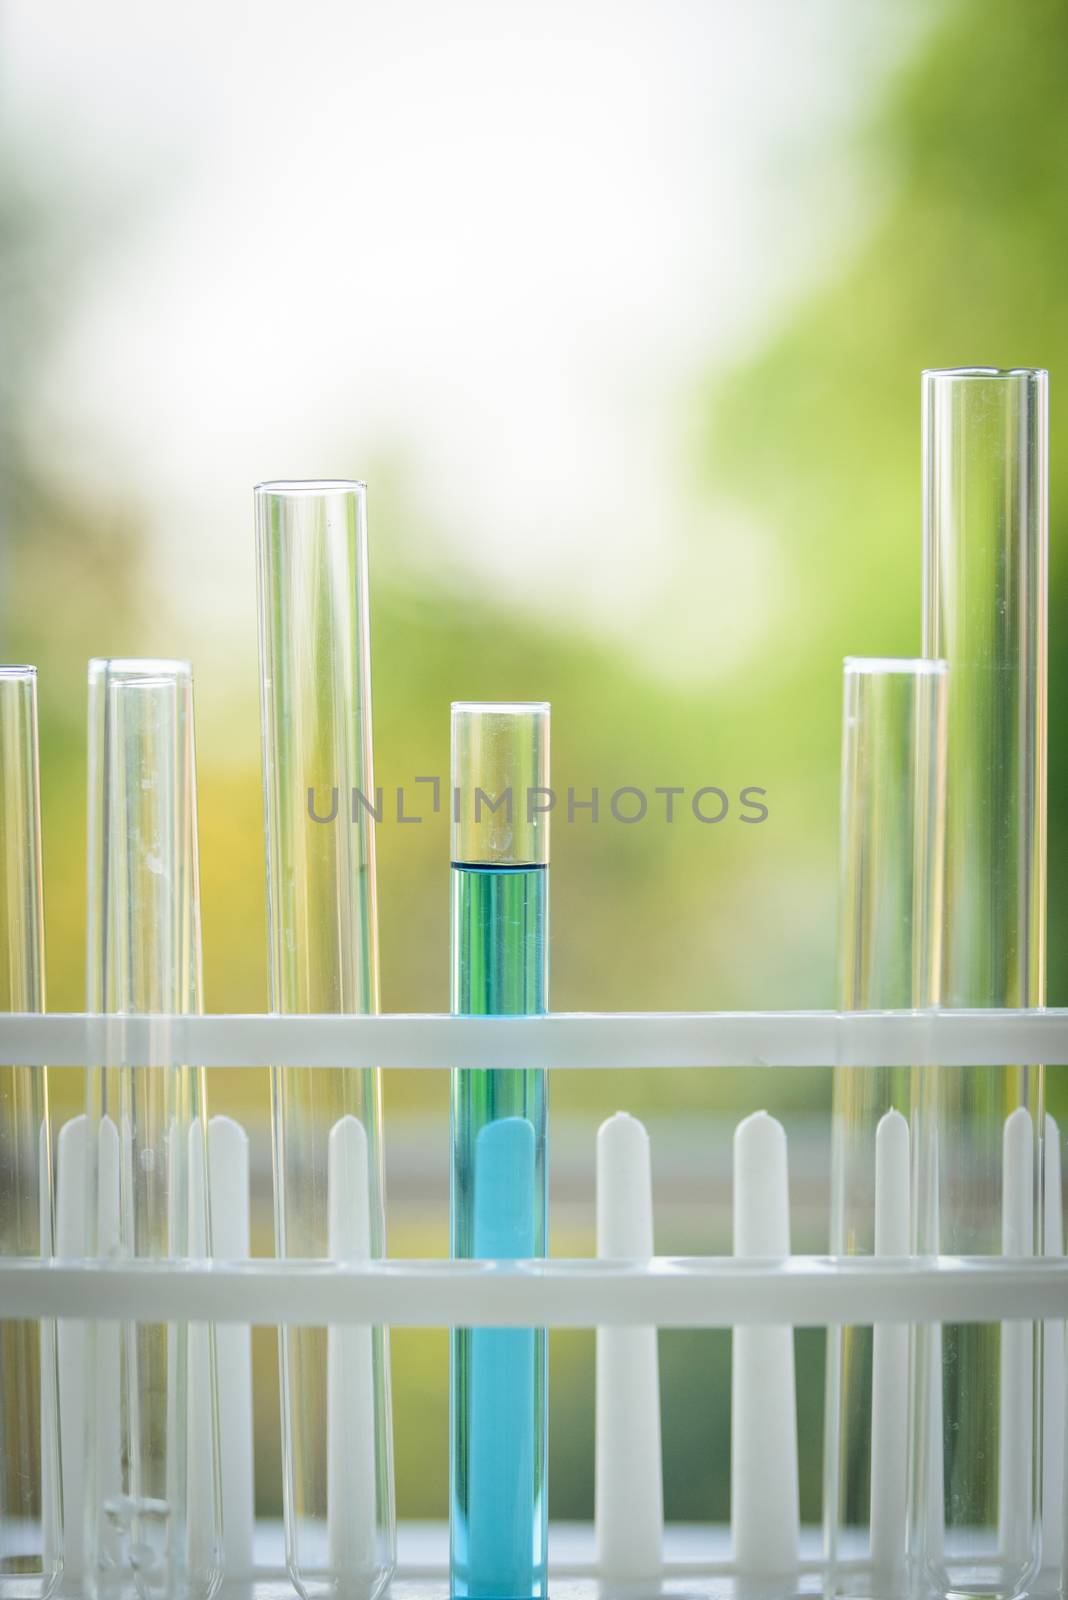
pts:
[743, 1291]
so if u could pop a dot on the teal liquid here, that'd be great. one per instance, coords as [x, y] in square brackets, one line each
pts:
[499, 1393]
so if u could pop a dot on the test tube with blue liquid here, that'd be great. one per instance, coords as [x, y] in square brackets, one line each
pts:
[500, 884]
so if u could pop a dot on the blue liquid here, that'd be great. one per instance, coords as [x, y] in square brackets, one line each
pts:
[498, 1409]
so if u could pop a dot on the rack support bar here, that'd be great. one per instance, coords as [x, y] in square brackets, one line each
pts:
[690, 1292]
[581, 1040]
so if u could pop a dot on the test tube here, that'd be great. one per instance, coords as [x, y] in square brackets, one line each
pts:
[889, 958]
[976, 1487]
[152, 1515]
[323, 947]
[499, 1376]
[31, 1558]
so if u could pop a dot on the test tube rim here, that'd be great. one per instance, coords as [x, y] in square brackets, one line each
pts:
[145, 671]
[910, 666]
[951, 374]
[308, 488]
[17, 674]
[502, 707]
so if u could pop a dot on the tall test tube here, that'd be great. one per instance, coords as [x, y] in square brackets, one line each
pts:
[152, 1514]
[31, 1557]
[985, 596]
[889, 958]
[499, 1387]
[319, 800]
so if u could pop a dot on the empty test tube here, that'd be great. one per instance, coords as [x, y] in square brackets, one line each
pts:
[153, 1500]
[975, 1522]
[31, 1555]
[889, 958]
[315, 691]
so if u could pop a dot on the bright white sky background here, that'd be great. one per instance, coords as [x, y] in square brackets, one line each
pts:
[501, 245]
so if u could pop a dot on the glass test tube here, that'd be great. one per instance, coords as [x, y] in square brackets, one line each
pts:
[985, 596]
[31, 1557]
[153, 1523]
[323, 947]
[889, 958]
[499, 1376]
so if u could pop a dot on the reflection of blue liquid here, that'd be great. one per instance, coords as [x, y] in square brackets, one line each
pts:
[501, 1449]
[498, 1390]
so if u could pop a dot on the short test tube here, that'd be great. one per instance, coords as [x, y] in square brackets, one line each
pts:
[498, 1403]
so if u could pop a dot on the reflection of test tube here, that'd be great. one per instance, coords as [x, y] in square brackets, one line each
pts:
[985, 589]
[889, 937]
[147, 1533]
[500, 856]
[30, 1537]
[319, 795]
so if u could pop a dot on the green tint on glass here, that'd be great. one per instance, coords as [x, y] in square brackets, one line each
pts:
[499, 1376]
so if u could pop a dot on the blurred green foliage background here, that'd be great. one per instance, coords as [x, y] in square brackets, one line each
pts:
[812, 442]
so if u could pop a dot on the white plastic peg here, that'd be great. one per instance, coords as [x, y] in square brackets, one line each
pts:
[201, 1464]
[765, 1518]
[890, 1360]
[103, 1369]
[350, 1422]
[71, 1245]
[231, 1240]
[1017, 1344]
[629, 1486]
[1055, 1433]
